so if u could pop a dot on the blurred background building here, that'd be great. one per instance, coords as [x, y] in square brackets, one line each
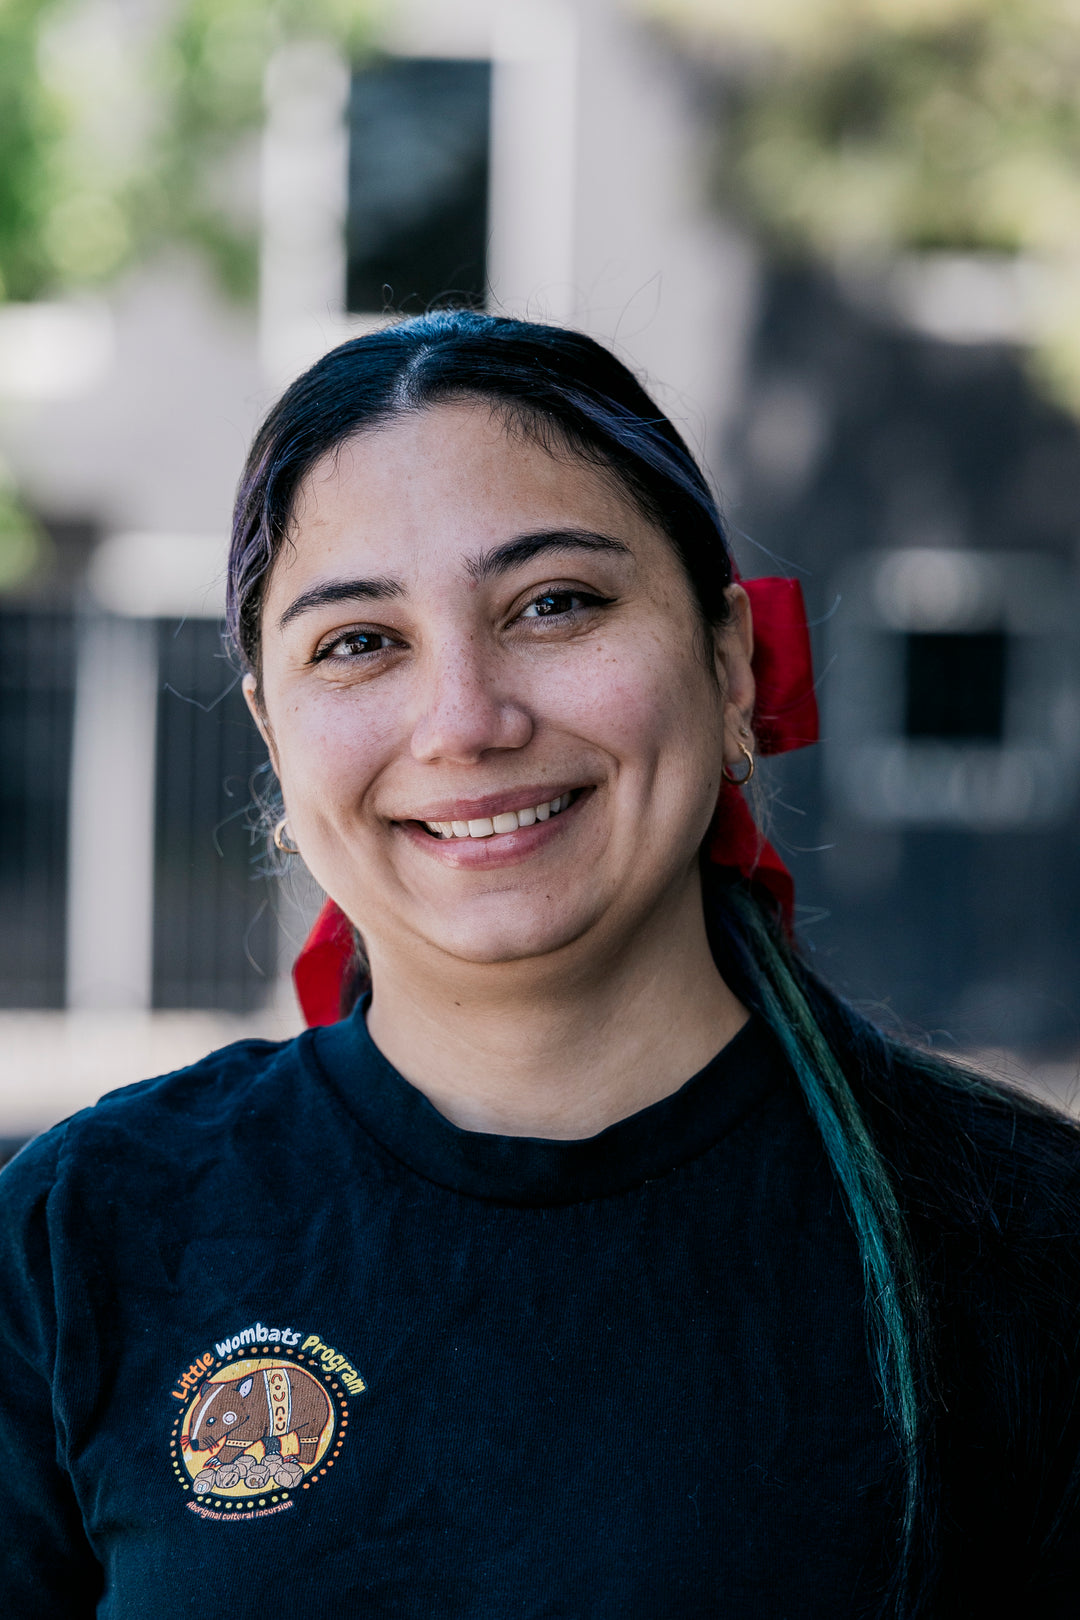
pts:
[839, 238]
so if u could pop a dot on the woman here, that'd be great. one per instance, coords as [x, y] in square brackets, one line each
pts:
[600, 1262]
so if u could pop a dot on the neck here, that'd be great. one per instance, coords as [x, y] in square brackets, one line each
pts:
[564, 1045]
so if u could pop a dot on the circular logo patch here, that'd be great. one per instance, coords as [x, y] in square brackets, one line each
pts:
[260, 1424]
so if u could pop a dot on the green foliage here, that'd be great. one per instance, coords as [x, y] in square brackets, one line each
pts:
[116, 137]
[23, 545]
[905, 127]
[30, 128]
[867, 128]
[211, 69]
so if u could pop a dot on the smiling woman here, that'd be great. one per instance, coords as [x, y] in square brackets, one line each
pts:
[505, 774]
[664, 1282]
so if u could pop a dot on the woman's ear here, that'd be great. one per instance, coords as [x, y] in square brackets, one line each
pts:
[250, 688]
[734, 651]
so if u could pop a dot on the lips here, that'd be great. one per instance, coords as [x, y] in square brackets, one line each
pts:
[484, 851]
[505, 821]
[519, 801]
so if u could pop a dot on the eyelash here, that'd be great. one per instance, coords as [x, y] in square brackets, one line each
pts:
[354, 635]
[585, 600]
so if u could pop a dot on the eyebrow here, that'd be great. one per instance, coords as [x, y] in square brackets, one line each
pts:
[484, 566]
[341, 590]
[524, 547]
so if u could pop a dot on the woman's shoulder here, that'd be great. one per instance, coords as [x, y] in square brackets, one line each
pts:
[989, 1131]
[164, 1117]
[989, 1177]
[952, 1132]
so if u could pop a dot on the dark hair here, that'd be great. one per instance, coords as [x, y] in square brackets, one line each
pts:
[863, 1089]
[558, 386]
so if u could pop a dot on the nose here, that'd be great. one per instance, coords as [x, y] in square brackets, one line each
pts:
[462, 714]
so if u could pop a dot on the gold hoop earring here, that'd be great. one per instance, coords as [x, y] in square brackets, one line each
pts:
[741, 781]
[279, 838]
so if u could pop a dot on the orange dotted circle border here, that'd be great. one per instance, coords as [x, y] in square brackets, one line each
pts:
[245, 1504]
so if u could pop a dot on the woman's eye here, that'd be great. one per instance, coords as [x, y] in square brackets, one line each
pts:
[354, 644]
[553, 604]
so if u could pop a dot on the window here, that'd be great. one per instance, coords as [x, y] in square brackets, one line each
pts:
[955, 685]
[416, 231]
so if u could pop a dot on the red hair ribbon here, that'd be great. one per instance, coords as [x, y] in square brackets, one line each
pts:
[785, 717]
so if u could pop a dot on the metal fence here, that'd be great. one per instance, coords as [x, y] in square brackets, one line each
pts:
[214, 929]
[37, 691]
[214, 933]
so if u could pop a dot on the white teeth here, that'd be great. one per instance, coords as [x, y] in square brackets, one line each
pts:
[506, 821]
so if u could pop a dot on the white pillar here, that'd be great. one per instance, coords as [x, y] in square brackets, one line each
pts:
[534, 122]
[660, 277]
[304, 198]
[110, 931]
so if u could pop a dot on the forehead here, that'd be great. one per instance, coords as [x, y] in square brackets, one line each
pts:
[452, 478]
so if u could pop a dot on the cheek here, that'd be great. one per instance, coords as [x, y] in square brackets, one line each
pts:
[641, 699]
[331, 751]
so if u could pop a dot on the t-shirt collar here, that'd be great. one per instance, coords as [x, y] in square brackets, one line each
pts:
[531, 1170]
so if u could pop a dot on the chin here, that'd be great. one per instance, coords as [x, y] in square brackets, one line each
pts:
[515, 939]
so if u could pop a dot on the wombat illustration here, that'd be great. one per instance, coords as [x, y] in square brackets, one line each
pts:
[230, 1417]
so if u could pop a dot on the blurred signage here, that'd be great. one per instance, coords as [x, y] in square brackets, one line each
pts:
[953, 697]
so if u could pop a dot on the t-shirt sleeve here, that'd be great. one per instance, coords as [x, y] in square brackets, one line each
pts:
[49, 1567]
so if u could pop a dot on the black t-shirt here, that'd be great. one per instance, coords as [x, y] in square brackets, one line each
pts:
[281, 1340]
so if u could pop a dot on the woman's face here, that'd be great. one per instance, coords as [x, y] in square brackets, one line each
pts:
[485, 695]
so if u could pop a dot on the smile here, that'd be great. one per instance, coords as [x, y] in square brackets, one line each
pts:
[507, 821]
